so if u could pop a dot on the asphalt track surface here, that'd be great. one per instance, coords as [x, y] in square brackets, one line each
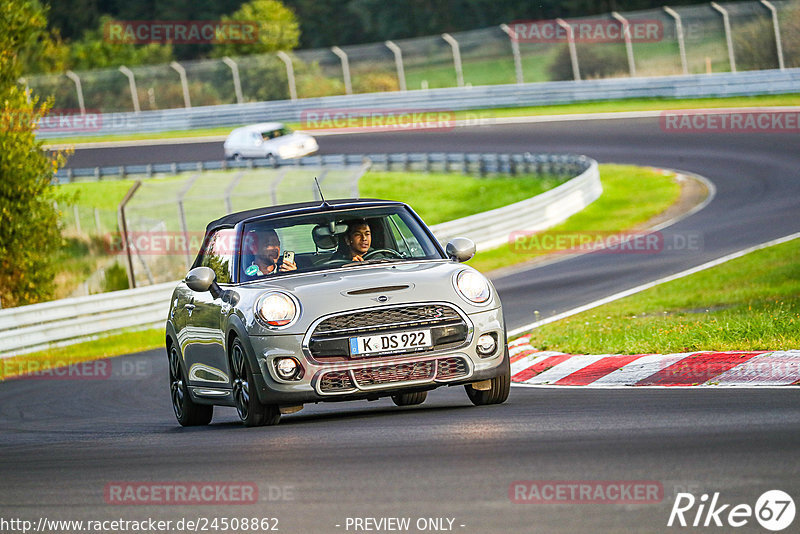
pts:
[62, 441]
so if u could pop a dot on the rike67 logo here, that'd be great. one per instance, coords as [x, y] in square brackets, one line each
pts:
[774, 510]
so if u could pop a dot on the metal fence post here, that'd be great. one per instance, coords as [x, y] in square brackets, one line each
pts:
[726, 22]
[132, 84]
[78, 88]
[182, 215]
[123, 228]
[626, 30]
[289, 73]
[24, 82]
[237, 84]
[184, 82]
[229, 190]
[77, 215]
[398, 61]
[777, 30]
[348, 85]
[456, 58]
[679, 31]
[512, 36]
[573, 52]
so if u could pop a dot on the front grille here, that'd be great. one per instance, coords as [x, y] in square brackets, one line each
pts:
[397, 373]
[335, 381]
[388, 374]
[329, 342]
[451, 368]
[407, 316]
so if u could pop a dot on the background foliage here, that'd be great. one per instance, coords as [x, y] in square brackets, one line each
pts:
[29, 233]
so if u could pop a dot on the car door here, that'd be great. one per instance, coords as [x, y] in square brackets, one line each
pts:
[204, 353]
[254, 145]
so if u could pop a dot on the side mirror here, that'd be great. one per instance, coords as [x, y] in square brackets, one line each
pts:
[202, 279]
[460, 249]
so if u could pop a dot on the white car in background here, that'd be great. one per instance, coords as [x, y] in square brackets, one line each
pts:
[268, 140]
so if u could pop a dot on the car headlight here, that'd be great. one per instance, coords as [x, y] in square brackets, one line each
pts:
[277, 309]
[473, 286]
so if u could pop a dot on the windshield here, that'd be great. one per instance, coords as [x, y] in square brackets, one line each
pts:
[340, 239]
[278, 132]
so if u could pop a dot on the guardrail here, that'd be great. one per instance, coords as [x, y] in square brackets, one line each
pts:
[449, 99]
[424, 161]
[61, 322]
[492, 228]
[65, 321]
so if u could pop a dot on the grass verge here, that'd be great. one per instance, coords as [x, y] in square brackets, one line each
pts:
[440, 197]
[104, 347]
[750, 303]
[605, 106]
[631, 196]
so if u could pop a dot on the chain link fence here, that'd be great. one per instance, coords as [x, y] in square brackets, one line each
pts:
[166, 218]
[691, 39]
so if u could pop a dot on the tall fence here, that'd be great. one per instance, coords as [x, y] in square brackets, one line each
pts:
[164, 220]
[715, 37]
[159, 228]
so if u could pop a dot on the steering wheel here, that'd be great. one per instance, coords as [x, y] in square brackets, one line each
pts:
[389, 251]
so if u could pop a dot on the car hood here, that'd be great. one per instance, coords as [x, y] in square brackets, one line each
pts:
[372, 286]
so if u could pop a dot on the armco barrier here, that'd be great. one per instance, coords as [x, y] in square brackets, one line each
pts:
[492, 228]
[65, 321]
[438, 161]
[61, 322]
[451, 99]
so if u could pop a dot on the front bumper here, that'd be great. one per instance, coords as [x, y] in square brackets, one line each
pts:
[376, 377]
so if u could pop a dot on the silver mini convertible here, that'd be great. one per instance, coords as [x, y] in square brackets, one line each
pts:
[279, 310]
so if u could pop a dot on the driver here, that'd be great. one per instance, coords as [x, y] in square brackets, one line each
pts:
[358, 240]
[266, 254]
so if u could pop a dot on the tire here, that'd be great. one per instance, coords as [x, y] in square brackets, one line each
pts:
[251, 411]
[410, 399]
[237, 157]
[187, 412]
[500, 388]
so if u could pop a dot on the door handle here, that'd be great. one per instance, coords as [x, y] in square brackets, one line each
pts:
[189, 307]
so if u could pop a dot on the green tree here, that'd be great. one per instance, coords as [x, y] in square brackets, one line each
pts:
[94, 51]
[29, 232]
[277, 29]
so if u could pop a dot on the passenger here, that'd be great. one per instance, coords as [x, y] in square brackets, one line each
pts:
[266, 254]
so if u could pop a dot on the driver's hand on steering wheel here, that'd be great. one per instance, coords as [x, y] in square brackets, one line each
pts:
[357, 257]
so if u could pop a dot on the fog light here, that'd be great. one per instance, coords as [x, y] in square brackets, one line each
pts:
[486, 344]
[287, 368]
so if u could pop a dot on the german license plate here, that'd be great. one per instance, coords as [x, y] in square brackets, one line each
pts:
[361, 346]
